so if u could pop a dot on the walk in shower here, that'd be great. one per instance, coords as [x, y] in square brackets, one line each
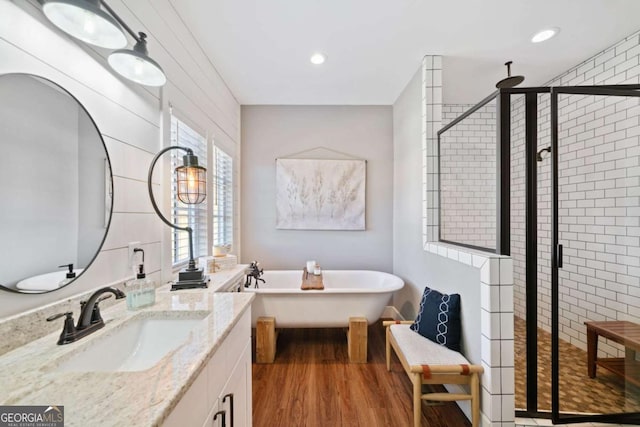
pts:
[551, 177]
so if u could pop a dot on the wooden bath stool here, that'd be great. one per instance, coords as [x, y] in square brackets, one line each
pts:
[266, 336]
[357, 339]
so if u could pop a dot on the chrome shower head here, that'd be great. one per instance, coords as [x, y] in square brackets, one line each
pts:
[509, 81]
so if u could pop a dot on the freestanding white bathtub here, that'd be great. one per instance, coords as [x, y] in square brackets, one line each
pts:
[347, 293]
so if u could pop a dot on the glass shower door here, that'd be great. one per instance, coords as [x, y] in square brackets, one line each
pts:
[595, 283]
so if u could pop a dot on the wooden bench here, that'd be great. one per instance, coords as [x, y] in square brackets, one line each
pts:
[622, 332]
[426, 362]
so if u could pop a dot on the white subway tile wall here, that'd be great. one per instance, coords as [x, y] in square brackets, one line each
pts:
[599, 199]
[468, 177]
[431, 123]
[599, 179]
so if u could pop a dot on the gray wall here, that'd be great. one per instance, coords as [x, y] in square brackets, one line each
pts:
[411, 262]
[269, 132]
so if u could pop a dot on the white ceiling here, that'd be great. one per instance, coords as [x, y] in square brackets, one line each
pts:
[262, 48]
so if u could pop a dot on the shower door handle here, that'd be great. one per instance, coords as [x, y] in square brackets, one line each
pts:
[559, 255]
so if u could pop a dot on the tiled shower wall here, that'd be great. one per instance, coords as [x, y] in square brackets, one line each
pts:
[599, 195]
[431, 123]
[496, 279]
[468, 177]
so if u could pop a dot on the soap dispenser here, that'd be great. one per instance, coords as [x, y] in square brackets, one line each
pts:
[70, 275]
[141, 291]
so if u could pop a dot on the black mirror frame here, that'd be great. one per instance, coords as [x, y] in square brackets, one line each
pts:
[108, 160]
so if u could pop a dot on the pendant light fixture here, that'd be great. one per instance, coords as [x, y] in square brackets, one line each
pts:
[87, 21]
[136, 65]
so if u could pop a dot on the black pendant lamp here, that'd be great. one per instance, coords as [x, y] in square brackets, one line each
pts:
[94, 22]
[86, 21]
[136, 65]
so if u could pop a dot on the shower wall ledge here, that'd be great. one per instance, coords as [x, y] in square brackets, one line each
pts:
[496, 326]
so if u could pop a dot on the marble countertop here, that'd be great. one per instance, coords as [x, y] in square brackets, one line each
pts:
[28, 374]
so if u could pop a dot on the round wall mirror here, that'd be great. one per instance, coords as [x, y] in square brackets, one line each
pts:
[56, 186]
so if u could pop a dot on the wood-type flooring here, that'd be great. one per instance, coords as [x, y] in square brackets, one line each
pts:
[312, 384]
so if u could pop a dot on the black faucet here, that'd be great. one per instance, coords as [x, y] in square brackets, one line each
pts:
[90, 319]
[96, 317]
[254, 271]
[87, 310]
[70, 274]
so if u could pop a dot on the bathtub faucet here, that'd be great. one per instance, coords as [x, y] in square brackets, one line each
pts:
[254, 272]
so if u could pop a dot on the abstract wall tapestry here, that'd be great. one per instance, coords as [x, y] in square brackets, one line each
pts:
[315, 194]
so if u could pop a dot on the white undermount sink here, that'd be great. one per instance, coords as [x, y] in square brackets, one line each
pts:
[135, 346]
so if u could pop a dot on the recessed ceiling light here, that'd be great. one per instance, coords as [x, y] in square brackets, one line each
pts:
[544, 35]
[318, 58]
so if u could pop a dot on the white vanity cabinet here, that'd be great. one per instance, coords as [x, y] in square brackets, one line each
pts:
[235, 398]
[226, 377]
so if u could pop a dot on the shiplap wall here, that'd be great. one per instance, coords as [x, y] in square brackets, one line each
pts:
[130, 118]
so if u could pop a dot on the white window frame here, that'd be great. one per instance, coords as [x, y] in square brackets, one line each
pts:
[222, 197]
[195, 216]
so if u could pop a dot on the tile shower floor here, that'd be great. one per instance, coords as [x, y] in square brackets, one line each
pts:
[606, 393]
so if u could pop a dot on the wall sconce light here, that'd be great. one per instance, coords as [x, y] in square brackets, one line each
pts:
[136, 65]
[192, 189]
[87, 21]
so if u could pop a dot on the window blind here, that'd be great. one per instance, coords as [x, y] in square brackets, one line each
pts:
[183, 215]
[222, 198]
